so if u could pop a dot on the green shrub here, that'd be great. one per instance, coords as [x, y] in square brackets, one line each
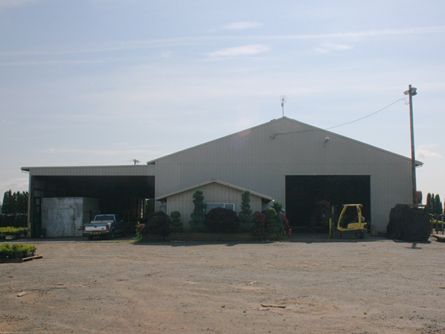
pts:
[274, 226]
[259, 225]
[222, 220]
[247, 227]
[245, 215]
[175, 222]
[268, 225]
[16, 251]
[158, 224]
[198, 215]
[277, 207]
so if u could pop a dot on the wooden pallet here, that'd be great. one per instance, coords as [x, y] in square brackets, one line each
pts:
[439, 237]
[23, 259]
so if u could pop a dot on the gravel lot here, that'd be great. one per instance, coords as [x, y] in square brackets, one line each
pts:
[305, 286]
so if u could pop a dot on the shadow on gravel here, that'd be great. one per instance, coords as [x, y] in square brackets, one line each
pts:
[307, 238]
[413, 245]
[76, 239]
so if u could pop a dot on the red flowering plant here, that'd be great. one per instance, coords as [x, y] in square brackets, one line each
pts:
[260, 224]
[285, 221]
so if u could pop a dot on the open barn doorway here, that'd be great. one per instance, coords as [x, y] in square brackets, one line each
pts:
[309, 197]
[123, 195]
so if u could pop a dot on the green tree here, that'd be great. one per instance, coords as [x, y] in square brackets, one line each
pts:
[245, 214]
[199, 211]
[21, 202]
[432, 204]
[274, 228]
[175, 222]
[8, 203]
[16, 202]
[277, 207]
[437, 205]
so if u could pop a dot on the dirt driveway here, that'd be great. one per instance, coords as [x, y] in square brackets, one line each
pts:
[375, 286]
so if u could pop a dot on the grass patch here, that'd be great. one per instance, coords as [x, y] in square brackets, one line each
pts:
[10, 230]
[16, 251]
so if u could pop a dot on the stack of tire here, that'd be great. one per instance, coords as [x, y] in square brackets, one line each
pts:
[408, 224]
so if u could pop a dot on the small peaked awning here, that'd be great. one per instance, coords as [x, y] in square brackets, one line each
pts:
[226, 184]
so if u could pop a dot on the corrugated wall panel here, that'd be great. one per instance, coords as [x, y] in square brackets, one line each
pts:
[260, 158]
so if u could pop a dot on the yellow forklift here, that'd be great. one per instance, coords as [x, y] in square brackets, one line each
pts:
[350, 219]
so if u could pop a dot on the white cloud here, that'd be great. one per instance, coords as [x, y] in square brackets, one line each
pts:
[362, 34]
[239, 51]
[242, 25]
[331, 47]
[163, 43]
[428, 151]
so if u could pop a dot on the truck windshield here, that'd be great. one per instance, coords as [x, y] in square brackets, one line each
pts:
[104, 217]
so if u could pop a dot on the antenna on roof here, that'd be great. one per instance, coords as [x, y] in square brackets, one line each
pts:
[283, 101]
[135, 161]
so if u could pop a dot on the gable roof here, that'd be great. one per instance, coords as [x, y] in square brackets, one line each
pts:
[305, 129]
[226, 184]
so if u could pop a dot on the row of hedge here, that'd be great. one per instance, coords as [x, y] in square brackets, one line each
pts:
[11, 230]
[263, 225]
[16, 251]
[14, 219]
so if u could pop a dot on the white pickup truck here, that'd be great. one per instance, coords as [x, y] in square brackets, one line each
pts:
[103, 225]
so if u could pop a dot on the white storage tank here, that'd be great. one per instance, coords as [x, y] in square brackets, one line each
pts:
[64, 216]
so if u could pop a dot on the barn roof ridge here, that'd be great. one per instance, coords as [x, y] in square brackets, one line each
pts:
[287, 119]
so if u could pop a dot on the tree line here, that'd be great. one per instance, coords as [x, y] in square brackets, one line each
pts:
[433, 204]
[15, 202]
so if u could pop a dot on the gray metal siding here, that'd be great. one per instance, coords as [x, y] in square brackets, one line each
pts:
[260, 158]
[255, 159]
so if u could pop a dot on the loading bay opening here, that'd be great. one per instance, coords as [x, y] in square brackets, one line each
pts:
[124, 195]
[307, 196]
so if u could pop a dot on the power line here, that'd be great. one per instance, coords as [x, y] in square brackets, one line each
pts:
[366, 116]
[342, 124]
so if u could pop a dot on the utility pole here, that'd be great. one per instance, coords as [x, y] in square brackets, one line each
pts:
[412, 92]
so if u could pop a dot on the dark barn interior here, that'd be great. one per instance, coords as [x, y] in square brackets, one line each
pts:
[308, 196]
[124, 195]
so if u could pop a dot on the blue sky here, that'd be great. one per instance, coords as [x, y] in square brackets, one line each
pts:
[96, 82]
